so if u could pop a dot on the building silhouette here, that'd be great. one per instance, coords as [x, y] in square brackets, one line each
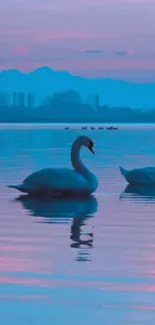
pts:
[4, 99]
[14, 99]
[30, 100]
[21, 99]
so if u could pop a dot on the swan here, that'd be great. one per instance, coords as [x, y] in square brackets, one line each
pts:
[63, 181]
[139, 176]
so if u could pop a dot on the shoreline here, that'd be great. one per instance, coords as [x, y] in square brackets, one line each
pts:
[71, 126]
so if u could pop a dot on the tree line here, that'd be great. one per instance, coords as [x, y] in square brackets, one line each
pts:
[67, 106]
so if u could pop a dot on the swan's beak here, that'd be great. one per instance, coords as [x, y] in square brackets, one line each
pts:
[92, 151]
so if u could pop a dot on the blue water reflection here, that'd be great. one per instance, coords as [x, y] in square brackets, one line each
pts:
[77, 261]
[59, 207]
[60, 210]
[134, 192]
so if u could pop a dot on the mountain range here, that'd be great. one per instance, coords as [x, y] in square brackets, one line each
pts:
[44, 81]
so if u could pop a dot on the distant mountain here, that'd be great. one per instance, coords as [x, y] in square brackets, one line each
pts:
[44, 81]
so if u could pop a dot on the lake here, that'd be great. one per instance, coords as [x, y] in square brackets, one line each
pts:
[89, 261]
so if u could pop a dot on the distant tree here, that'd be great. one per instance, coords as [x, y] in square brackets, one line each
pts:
[63, 99]
[70, 96]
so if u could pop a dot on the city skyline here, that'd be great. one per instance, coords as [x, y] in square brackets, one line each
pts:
[102, 39]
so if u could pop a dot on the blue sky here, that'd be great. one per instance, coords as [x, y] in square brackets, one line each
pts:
[109, 38]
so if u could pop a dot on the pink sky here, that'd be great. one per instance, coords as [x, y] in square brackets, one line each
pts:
[56, 32]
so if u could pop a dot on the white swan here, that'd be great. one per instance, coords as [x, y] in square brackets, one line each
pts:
[140, 176]
[63, 181]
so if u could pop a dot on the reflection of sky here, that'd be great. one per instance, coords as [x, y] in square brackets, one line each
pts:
[39, 270]
[59, 33]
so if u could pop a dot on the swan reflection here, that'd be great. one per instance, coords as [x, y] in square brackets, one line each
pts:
[138, 192]
[61, 210]
[58, 207]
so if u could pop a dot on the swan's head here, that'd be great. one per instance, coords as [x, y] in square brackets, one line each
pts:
[87, 142]
[91, 146]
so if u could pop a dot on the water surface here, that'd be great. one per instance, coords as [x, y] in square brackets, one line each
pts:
[77, 261]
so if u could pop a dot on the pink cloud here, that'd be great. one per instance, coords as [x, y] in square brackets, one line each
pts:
[125, 53]
[94, 64]
[63, 5]
[92, 51]
[25, 297]
[44, 36]
[129, 52]
[87, 64]
[21, 50]
[130, 69]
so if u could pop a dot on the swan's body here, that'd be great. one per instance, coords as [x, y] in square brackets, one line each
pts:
[63, 181]
[140, 176]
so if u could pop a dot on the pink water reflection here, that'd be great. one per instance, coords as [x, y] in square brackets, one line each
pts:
[117, 272]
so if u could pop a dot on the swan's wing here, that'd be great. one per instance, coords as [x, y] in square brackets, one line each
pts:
[144, 175]
[57, 179]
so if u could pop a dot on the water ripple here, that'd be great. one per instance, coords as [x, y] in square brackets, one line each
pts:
[89, 260]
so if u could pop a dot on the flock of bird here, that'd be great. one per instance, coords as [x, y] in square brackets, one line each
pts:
[93, 128]
[79, 181]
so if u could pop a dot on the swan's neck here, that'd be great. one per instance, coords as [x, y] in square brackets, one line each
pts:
[79, 166]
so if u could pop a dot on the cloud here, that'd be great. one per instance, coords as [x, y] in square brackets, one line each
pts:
[125, 53]
[93, 51]
[21, 50]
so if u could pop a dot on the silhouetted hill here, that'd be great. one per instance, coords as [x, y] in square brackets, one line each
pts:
[44, 81]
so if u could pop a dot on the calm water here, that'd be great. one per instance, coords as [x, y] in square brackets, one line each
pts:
[70, 261]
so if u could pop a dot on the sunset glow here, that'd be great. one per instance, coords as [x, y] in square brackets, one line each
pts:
[79, 37]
